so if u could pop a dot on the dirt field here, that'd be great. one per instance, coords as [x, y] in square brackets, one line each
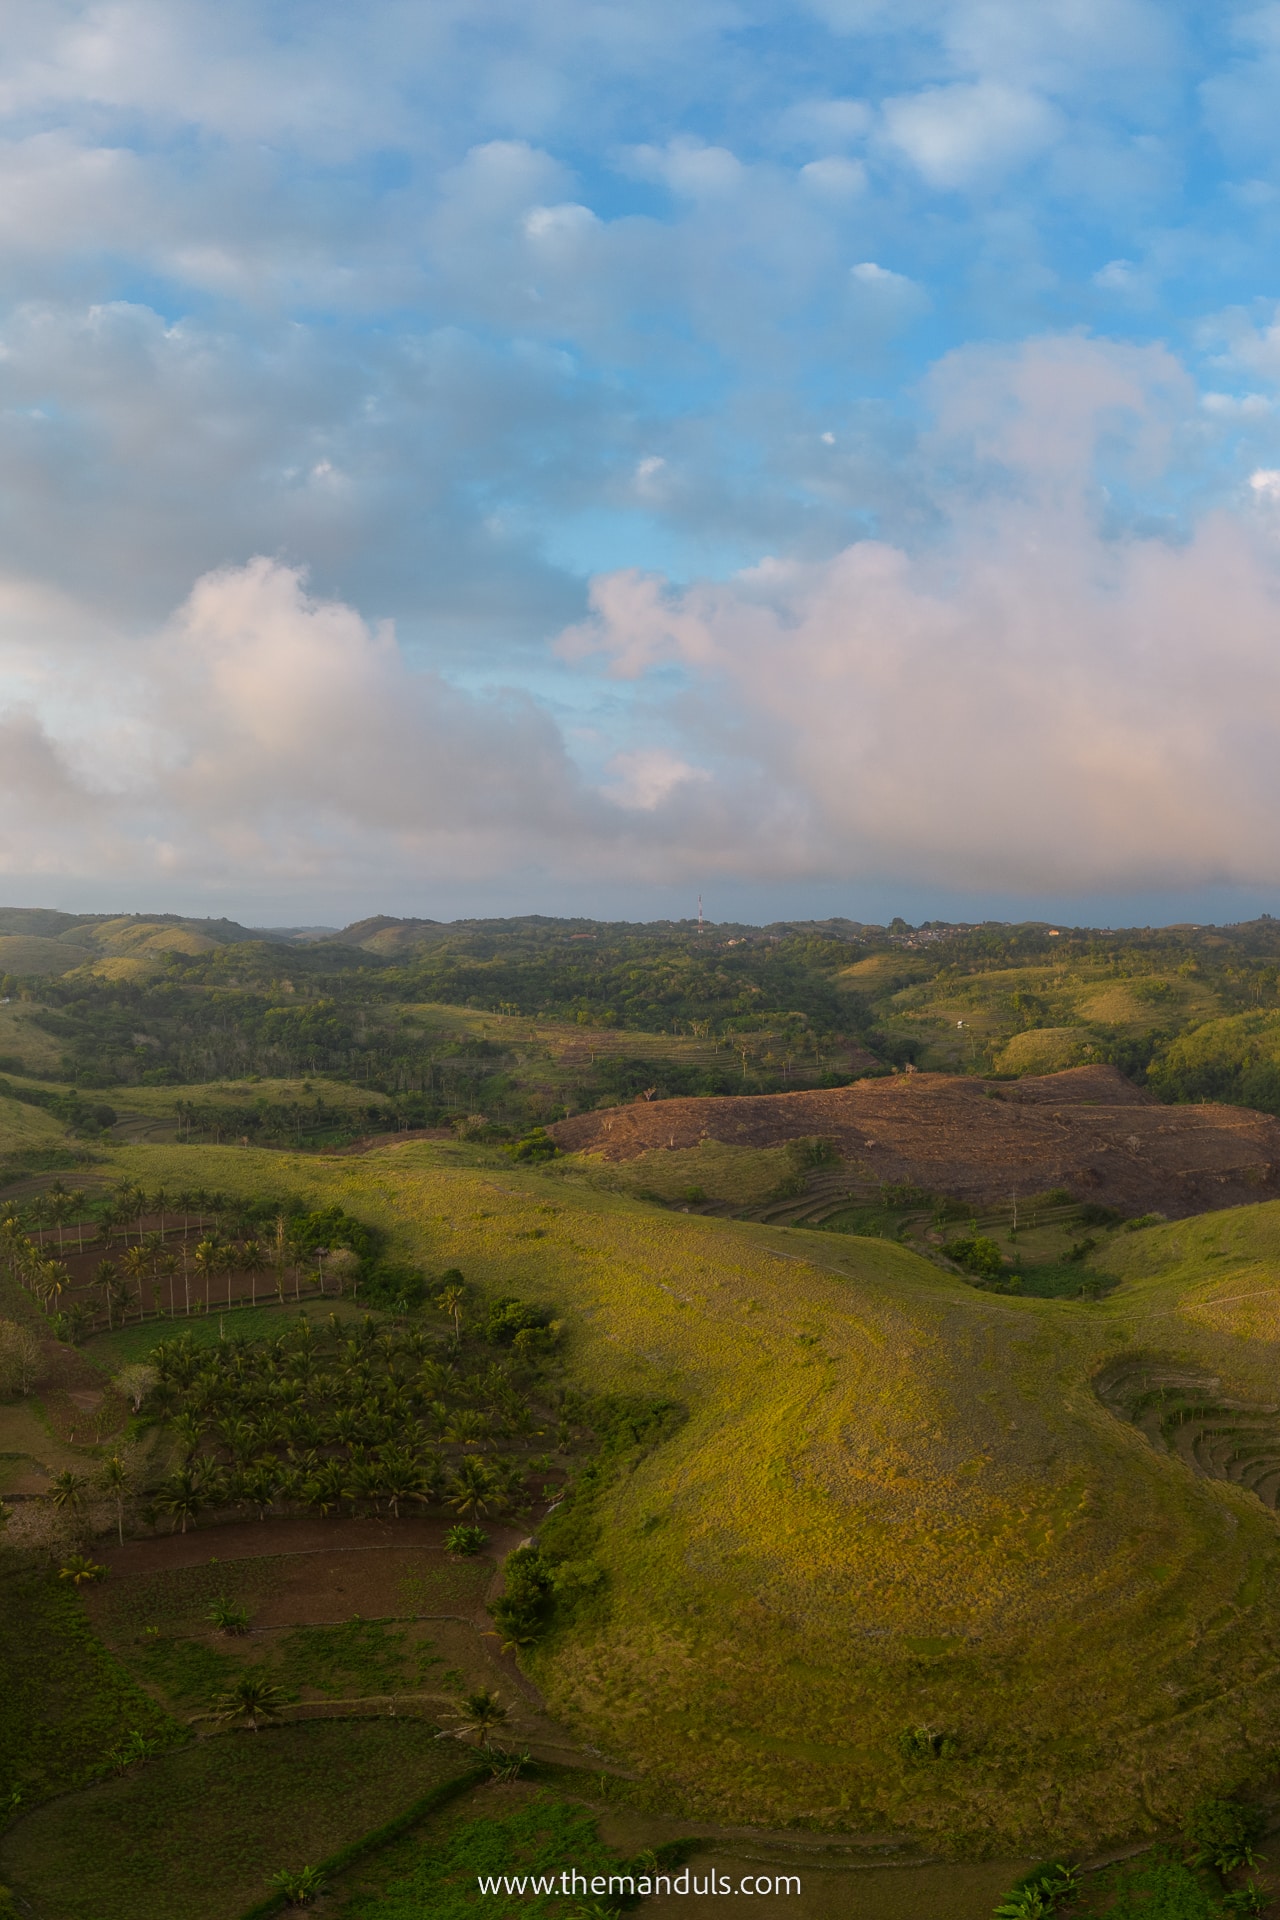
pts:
[1088, 1130]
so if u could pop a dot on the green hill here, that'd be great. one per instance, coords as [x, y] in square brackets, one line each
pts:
[895, 1503]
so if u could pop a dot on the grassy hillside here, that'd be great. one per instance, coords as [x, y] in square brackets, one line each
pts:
[23, 1127]
[895, 1503]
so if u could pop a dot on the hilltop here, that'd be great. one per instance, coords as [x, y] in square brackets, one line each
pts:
[1087, 1130]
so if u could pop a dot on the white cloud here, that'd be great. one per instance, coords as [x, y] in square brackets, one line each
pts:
[1032, 705]
[835, 177]
[646, 777]
[869, 274]
[689, 168]
[960, 135]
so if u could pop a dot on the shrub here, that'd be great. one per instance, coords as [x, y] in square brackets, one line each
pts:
[1222, 1833]
[394, 1285]
[976, 1254]
[299, 1888]
[537, 1145]
[466, 1541]
[1094, 1214]
[511, 1320]
[925, 1743]
[227, 1617]
[524, 1610]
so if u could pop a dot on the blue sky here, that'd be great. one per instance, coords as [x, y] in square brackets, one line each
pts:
[501, 457]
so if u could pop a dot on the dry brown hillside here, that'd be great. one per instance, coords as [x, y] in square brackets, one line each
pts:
[1087, 1129]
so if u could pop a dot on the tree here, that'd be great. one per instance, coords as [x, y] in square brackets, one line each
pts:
[250, 1699]
[252, 1260]
[182, 1496]
[67, 1491]
[136, 1381]
[115, 1480]
[471, 1489]
[451, 1301]
[79, 1569]
[481, 1713]
[106, 1278]
[20, 1358]
[166, 1268]
[207, 1260]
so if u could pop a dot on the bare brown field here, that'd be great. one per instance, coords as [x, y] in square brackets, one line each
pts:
[1087, 1130]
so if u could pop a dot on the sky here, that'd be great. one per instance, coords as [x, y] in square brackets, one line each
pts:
[559, 457]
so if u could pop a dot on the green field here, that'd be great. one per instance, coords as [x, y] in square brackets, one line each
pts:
[892, 1502]
[198, 1832]
[895, 1501]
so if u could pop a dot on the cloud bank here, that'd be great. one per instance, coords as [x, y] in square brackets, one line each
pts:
[1035, 699]
[562, 447]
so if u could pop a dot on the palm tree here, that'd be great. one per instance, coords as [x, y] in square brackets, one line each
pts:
[182, 1496]
[80, 1568]
[58, 1208]
[161, 1203]
[481, 1713]
[166, 1268]
[75, 1207]
[137, 1264]
[398, 1480]
[114, 1479]
[280, 1253]
[67, 1490]
[250, 1699]
[451, 1301]
[105, 1276]
[252, 1260]
[206, 1259]
[471, 1489]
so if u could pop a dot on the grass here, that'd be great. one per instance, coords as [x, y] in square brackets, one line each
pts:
[733, 1176]
[895, 1502]
[437, 1875]
[23, 1127]
[197, 1833]
[67, 1701]
[157, 1623]
[111, 1351]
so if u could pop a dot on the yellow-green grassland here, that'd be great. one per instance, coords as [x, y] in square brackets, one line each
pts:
[894, 1502]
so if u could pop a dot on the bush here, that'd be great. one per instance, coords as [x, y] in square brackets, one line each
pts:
[395, 1286]
[536, 1145]
[1222, 1833]
[925, 1743]
[466, 1541]
[524, 1610]
[520, 1324]
[976, 1254]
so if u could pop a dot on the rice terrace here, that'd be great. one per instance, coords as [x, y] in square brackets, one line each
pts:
[509, 1396]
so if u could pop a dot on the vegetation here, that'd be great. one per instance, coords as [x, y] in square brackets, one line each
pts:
[69, 1705]
[439, 1877]
[824, 1532]
[200, 1832]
